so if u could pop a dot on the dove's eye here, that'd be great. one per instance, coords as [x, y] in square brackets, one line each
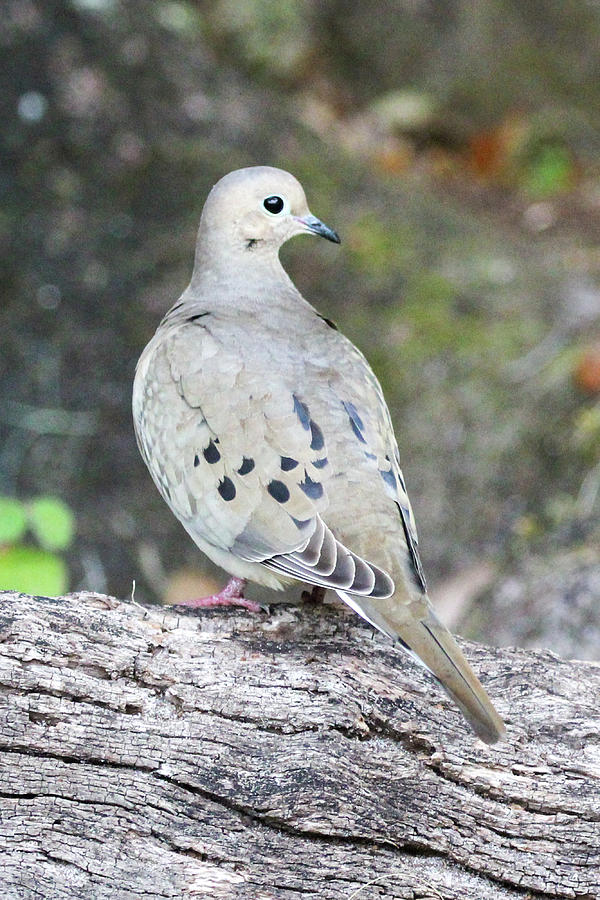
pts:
[274, 205]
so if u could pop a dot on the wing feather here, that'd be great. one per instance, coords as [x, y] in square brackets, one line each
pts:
[336, 568]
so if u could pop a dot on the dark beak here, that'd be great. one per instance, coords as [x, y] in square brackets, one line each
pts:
[317, 227]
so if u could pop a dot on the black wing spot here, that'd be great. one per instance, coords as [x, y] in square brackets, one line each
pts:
[211, 454]
[197, 316]
[353, 413]
[318, 441]
[287, 463]
[357, 432]
[329, 322]
[320, 463]
[196, 460]
[416, 565]
[246, 466]
[301, 523]
[226, 488]
[355, 421]
[301, 410]
[389, 478]
[279, 491]
[312, 489]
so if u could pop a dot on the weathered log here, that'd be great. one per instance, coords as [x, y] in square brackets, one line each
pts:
[152, 754]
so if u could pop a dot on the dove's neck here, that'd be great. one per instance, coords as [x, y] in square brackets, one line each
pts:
[244, 278]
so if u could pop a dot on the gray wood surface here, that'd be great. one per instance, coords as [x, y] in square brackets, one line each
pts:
[152, 754]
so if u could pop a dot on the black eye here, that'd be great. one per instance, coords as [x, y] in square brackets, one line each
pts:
[273, 205]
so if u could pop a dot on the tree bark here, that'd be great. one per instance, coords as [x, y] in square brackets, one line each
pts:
[153, 754]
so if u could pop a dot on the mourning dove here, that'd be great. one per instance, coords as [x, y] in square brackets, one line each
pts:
[267, 433]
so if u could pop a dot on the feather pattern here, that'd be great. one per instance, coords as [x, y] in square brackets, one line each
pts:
[244, 478]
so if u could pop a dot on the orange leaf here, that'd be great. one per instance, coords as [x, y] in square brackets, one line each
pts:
[587, 370]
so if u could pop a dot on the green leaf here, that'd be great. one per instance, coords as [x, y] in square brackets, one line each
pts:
[52, 522]
[33, 571]
[13, 520]
[550, 172]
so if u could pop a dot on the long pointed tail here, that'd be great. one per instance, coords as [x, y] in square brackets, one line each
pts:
[431, 641]
[431, 644]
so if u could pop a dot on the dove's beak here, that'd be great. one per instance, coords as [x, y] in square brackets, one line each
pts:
[315, 226]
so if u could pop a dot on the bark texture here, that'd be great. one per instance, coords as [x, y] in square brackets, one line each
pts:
[153, 754]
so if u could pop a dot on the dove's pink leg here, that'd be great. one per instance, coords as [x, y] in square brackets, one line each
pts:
[231, 595]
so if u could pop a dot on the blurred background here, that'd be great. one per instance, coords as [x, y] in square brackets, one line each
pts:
[454, 145]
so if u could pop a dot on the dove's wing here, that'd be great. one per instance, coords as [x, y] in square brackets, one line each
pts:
[238, 457]
[366, 461]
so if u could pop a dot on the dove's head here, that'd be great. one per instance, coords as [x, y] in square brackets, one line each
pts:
[254, 211]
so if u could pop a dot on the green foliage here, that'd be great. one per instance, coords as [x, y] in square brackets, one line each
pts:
[586, 432]
[271, 35]
[35, 570]
[380, 250]
[52, 522]
[181, 18]
[549, 172]
[13, 520]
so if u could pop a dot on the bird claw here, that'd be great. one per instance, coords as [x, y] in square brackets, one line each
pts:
[231, 595]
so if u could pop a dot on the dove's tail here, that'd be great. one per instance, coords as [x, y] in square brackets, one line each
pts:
[431, 644]
[435, 647]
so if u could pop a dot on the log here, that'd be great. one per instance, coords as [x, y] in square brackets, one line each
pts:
[150, 753]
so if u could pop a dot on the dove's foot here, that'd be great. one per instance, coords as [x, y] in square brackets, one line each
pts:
[315, 595]
[231, 595]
